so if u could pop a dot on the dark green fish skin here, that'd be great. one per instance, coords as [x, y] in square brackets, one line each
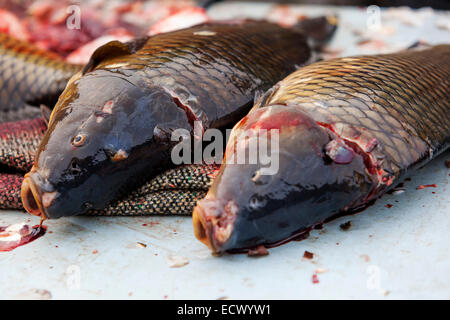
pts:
[350, 129]
[29, 77]
[126, 102]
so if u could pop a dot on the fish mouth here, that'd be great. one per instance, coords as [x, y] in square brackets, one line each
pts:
[201, 229]
[32, 199]
[214, 223]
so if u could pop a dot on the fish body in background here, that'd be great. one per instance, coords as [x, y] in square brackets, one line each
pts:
[349, 129]
[112, 125]
[29, 77]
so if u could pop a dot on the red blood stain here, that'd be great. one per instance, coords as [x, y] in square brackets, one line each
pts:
[371, 145]
[108, 107]
[191, 116]
[315, 279]
[388, 205]
[423, 186]
[276, 121]
[369, 160]
[308, 255]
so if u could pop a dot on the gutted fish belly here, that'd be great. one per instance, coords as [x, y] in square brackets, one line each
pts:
[29, 77]
[112, 126]
[349, 129]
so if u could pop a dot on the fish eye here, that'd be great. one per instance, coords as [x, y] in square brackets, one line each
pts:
[79, 140]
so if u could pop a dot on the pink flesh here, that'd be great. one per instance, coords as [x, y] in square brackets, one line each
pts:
[27, 234]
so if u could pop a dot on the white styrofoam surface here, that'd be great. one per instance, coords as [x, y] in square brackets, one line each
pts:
[398, 252]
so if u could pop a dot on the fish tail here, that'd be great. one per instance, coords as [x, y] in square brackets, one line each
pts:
[319, 30]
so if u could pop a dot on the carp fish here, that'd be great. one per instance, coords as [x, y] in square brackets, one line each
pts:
[29, 77]
[111, 127]
[349, 129]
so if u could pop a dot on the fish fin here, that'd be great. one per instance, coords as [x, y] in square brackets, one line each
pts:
[314, 57]
[136, 44]
[46, 113]
[419, 45]
[110, 50]
[318, 30]
[263, 100]
[258, 95]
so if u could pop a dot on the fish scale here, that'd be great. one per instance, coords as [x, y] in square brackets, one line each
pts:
[401, 100]
[216, 59]
[29, 76]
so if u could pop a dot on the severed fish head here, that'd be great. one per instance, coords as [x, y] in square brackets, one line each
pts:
[272, 198]
[108, 132]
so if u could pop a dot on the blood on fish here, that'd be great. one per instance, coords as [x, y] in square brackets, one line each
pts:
[108, 107]
[368, 159]
[277, 121]
[371, 145]
[189, 112]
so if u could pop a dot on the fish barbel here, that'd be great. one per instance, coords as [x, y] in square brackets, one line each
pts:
[349, 129]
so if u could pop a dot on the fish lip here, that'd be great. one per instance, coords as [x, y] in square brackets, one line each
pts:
[202, 228]
[33, 206]
[215, 224]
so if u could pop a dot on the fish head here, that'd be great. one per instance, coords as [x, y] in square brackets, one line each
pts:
[259, 202]
[107, 132]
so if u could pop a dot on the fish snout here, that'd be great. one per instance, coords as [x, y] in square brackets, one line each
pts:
[37, 194]
[213, 223]
[201, 226]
